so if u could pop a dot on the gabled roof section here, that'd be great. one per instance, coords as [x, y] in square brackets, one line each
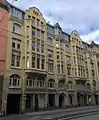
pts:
[57, 25]
[74, 32]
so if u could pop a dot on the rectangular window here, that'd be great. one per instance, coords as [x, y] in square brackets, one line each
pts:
[67, 48]
[68, 70]
[27, 31]
[33, 45]
[38, 45]
[33, 31]
[58, 68]
[62, 67]
[67, 59]
[27, 45]
[38, 61]
[42, 62]
[13, 60]
[38, 23]
[50, 53]
[13, 44]
[27, 62]
[50, 41]
[38, 33]
[18, 61]
[42, 35]
[33, 20]
[33, 60]
[18, 46]
[50, 66]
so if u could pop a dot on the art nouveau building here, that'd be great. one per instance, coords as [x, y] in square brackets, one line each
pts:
[46, 67]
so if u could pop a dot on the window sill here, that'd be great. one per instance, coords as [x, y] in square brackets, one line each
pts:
[17, 33]
[14, 67]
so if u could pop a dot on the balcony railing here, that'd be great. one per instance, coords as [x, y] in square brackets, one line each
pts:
[35, 83]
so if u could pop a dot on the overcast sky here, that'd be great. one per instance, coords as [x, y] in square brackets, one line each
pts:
[80, 15]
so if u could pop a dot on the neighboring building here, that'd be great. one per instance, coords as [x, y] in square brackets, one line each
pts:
[3, 43]
[46, 67]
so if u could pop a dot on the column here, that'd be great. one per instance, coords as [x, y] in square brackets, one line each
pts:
[32, 101]
[46, 100]
[57, 100]
[87, 101]
[23, 102]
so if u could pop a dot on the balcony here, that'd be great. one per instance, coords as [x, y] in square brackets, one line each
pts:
[35, 84]
[83, 89]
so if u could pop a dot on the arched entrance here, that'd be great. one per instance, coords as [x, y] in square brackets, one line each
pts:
[13, 99]
[61, 100]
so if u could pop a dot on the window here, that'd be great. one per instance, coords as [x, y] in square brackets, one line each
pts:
[42, 25]
[16, 28]
[38, 61]
[70, 85]
[50, 66]
[13, 60]
[33, 45]
[38, 22]
[16, 43]
[42, 62]
[51, 83]
[58, 68]
[38, 45]
[57, 56]
[33, 31]
[17, 13]
[74, 60]
[38, 33]
[75, 72]
[33, 20]
[18, 61]
[27, 62]
[42, 35]
[73, 48]
[13, 44]
[67, 48]
[62, 67]
[33, 60]
[14, 80]
[27, 31]
[67, 59]
[18, 46]
[68, 70]
[27, 45]
[50, 53]
[57, 45]
[50, 41]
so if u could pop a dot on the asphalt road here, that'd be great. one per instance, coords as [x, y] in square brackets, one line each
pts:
[91, 117]
[58, 115]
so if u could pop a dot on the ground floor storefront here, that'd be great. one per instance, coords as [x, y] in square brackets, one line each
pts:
[37, 101]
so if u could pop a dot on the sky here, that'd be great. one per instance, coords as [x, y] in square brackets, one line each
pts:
[79, 15]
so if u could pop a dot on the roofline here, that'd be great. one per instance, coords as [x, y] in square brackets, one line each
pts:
[16, 7]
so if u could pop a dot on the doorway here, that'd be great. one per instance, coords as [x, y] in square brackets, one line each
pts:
[13, 103]
[61, 101]
[51, 98]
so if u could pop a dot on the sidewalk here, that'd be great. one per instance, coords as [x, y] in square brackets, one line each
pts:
[59, 111]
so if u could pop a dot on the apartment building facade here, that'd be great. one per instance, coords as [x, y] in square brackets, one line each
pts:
[46, 67]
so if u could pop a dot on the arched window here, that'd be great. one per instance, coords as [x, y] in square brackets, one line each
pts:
[70, 85]
[51, 83]
[61, 84]
[16, 28]
[88, 85]
[14, 80]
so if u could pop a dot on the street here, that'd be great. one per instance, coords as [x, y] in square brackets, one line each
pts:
[89, 113]
[91, 117]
